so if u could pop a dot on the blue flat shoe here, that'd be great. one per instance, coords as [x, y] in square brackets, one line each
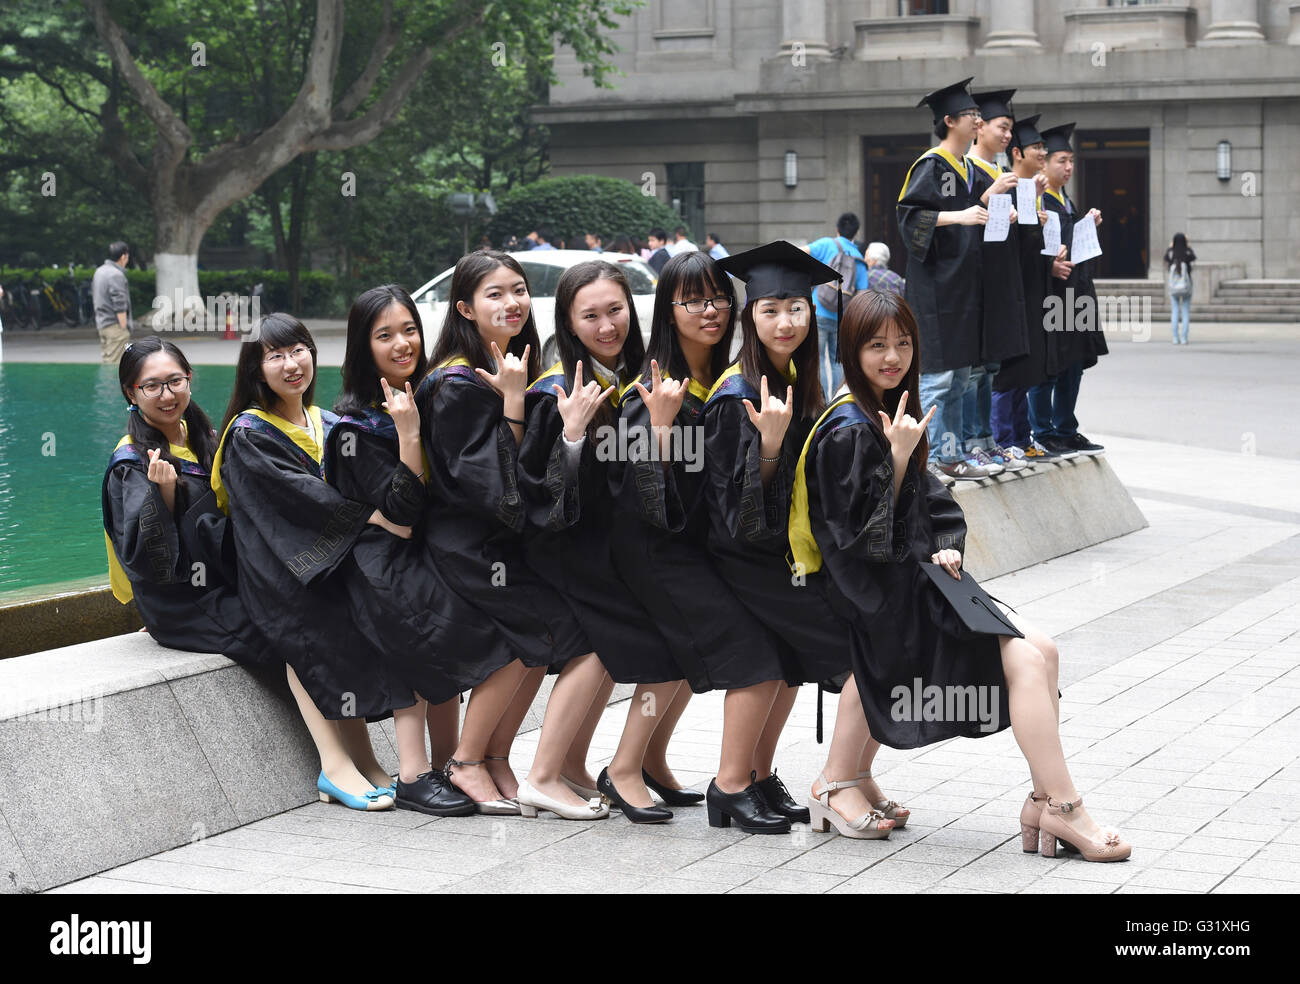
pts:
[373, 799]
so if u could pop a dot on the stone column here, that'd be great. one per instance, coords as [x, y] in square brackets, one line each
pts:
[1011, 29]
[804, 22]
[1233, 22]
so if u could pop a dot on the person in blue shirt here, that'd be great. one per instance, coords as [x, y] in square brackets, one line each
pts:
[828, 326]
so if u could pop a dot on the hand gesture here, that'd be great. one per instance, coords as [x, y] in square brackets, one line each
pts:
[511, 377]
[904, 431]
[665, 399]
[771, 419]
[949, 560]
[161, 473]
[1005, 183]
[577, 408]
[975, 215]
[401, 407]
[1061, 267]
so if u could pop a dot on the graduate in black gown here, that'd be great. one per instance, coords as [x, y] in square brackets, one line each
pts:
[662, 524]
[434, 640]
[1015, 377]
[471, 407]
[293, 536]
[155, 487]
[755, 420]
[1075, 338]
[569, 447]
[871, 513]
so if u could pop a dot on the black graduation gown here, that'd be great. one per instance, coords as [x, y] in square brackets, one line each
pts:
[902, 629]
[663, 523]
[1004, 332]
[1035, 270]
[436, 642]
[748, 539]
[1066, 345]
[293, 538]
[476, 520]
[183, 593]
[944, 284]
[573, 538]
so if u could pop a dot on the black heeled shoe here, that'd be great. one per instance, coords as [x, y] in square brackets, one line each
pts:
[637, 814]
[747, 808]
[779, 799]
[433, 793]
[673, 797]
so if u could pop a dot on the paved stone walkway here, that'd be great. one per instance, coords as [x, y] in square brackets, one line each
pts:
[1180, 718]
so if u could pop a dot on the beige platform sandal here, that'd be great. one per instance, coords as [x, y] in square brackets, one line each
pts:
[872, 825]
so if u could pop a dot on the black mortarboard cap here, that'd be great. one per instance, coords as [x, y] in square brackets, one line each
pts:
[1058, 138]
[778, 269]
[950, 100]
[994, 104]
[1024, 133]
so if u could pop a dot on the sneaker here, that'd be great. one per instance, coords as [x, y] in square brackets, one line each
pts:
[1059, 447]
[981, 458]
[965, 469]
[938, 473]
[1004, 457]
[1084, 446]
[1036, 453]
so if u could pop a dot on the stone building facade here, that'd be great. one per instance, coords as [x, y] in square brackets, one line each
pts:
[764, 119]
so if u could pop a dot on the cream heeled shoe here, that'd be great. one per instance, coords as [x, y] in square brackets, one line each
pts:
[892, 809]
[530, 801]
[872, 825]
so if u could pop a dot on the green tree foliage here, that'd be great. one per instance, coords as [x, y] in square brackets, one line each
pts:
[576, 205]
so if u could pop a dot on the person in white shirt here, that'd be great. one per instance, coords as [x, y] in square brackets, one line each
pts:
[680, 243]
[716, 249]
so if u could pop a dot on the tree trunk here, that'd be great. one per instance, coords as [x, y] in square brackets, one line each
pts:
[177, 233]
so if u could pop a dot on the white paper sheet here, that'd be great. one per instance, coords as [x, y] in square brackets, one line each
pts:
[1052, 235]
[1026, 202]
[1085, 245]
[999, 223]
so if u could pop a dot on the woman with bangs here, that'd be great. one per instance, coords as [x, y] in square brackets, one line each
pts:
[875, 513]
[293, 537]
[433, 639]
[755, 422]
[471, 411]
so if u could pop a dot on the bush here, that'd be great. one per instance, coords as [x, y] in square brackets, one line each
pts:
[575, 205]
[319, 294]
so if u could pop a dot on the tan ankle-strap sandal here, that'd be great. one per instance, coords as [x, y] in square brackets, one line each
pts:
[872, 825]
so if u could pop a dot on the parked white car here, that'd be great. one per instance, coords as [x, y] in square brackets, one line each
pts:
[543, 269]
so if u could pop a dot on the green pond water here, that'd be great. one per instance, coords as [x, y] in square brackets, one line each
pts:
[58, 426]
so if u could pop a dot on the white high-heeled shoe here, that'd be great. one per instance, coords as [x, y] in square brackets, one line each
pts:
[530, 801]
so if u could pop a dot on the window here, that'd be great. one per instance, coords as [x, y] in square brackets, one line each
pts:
[686, 195]
[912, 8]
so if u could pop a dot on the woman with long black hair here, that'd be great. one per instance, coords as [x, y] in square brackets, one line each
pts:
[292, 534]
[1179, 258]
[471, 407]
[164, 544]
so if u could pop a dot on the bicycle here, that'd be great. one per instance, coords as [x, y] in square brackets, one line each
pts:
[18, 306]
[60, 300]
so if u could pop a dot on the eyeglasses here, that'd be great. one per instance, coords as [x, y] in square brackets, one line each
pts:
[153, 388]
[297, 354]
[973, 114]
[699, 305]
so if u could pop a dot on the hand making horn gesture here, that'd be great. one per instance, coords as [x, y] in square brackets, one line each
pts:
[665, 398]
[771, 419]
[577, 408]
[511, 377]
[903, 431]
[401, 407]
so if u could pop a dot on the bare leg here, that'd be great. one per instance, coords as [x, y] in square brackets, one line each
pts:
[1033, 722]
[1051, 660]
[334, 759]
[844, 757]
[565, 712]
[642, 724]
[574, 768]
[444, 730]
[355, 735]
[656, 753]
[487, 702]
[507, 730]
[745, 712]
[412, 756]
[765, 751]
